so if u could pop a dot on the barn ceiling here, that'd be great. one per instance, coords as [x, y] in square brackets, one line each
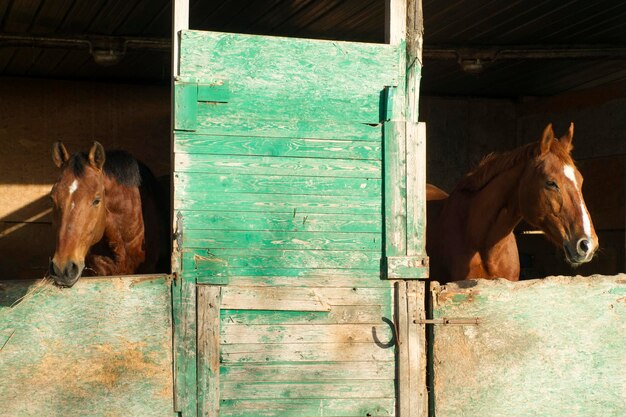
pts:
[481, 48]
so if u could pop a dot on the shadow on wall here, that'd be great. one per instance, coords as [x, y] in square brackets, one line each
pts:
[26, 244]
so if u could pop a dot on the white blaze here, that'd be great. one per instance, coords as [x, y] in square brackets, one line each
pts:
[569, 172]
[73, 187]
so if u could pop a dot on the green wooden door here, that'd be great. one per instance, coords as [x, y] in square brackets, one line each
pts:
[552, 347]
[279, 200]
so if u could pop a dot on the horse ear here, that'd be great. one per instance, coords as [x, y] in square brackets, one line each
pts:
[566, 139]
[546, 139]
[97, 156]
[60, 155]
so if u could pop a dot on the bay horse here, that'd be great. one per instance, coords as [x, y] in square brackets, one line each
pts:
[108, 216]
[469, 233]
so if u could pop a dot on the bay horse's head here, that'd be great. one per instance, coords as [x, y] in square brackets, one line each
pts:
[551, 198]
[78, 209]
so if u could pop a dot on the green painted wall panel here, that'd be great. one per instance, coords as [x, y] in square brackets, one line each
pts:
[284, 78]
[373, 407]
[100, 348]
[269, 146]
[552, 347]
[282, 240]
[265, 165]
[281, 221]
[200, 184]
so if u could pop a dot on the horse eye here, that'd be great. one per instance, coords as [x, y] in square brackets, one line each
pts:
[96, 201]
[552, 184]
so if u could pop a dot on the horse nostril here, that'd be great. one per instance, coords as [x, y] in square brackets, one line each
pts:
[72, 269]
[583, 246]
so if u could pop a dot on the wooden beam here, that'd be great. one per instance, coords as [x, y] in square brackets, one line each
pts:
[209, 304]
[180, 21]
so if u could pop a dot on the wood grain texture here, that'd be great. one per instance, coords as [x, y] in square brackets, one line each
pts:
[351, 407]
[278, 146]
[542, 347]
[64, 350]
[209, 303]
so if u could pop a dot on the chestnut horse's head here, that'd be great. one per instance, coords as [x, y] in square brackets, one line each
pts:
[78, 208]
[551, 198]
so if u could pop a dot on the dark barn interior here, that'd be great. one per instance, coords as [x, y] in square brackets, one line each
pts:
[494, 74]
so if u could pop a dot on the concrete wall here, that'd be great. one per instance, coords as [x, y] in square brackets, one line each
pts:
[33, 114]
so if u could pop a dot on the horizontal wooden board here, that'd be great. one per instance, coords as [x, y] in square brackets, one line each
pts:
[296, 204]
[277, 165]
[344, 407]
[186, 142]
[542, 347]
[301, 298]
[221, 261]
[323, 352]
[363, 106]
[218, 239]
[308, 371]
[246, 126]
[64, 350]
[315, 278]
[368, 314]
[198, 185]
[280, 221]
[366, 388]
[265, 276]
[305, 333]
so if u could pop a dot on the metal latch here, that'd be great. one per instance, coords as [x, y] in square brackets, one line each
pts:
[472, 321]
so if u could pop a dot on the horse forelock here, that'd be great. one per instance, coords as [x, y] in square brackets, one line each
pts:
[118, 165]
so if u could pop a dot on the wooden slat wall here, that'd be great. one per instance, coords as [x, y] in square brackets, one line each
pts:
[279, 187]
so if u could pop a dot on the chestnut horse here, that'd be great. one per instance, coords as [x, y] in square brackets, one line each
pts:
[470, 233]
[108, 217]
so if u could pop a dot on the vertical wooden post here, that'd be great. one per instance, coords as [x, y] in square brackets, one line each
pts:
[405, 150]
[183, 292]
[405, 208]
[209, 301]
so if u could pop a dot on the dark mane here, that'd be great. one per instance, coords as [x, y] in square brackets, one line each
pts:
[496, 163]
[119, 165]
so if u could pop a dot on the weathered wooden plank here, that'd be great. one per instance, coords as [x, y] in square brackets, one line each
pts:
[304, 104]
[402, 317]
[294, 407]
[346, 277]
[542, 347]
[308, 371]
[416, 337]
[199, 185]
[209, 300]
[368, 388]
[246, 126]
[218, 239]
[416, 191]
[301, 298]
[395, 188]
[323, 352]
[368, 314]
[305, 333]
[62, 350]
[268, 146]
[286, 66]
[370, 279]
[185, 339]
[281, 221]
[221, 261]
[280, 203]
[276, 165]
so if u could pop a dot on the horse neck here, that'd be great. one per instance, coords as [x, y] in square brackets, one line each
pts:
[493, 211]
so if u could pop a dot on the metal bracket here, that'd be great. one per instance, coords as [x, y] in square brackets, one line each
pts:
[473, 321]
[178, 233]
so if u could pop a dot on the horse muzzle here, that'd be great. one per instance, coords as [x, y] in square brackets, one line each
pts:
[66, 275]
[579, 251]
